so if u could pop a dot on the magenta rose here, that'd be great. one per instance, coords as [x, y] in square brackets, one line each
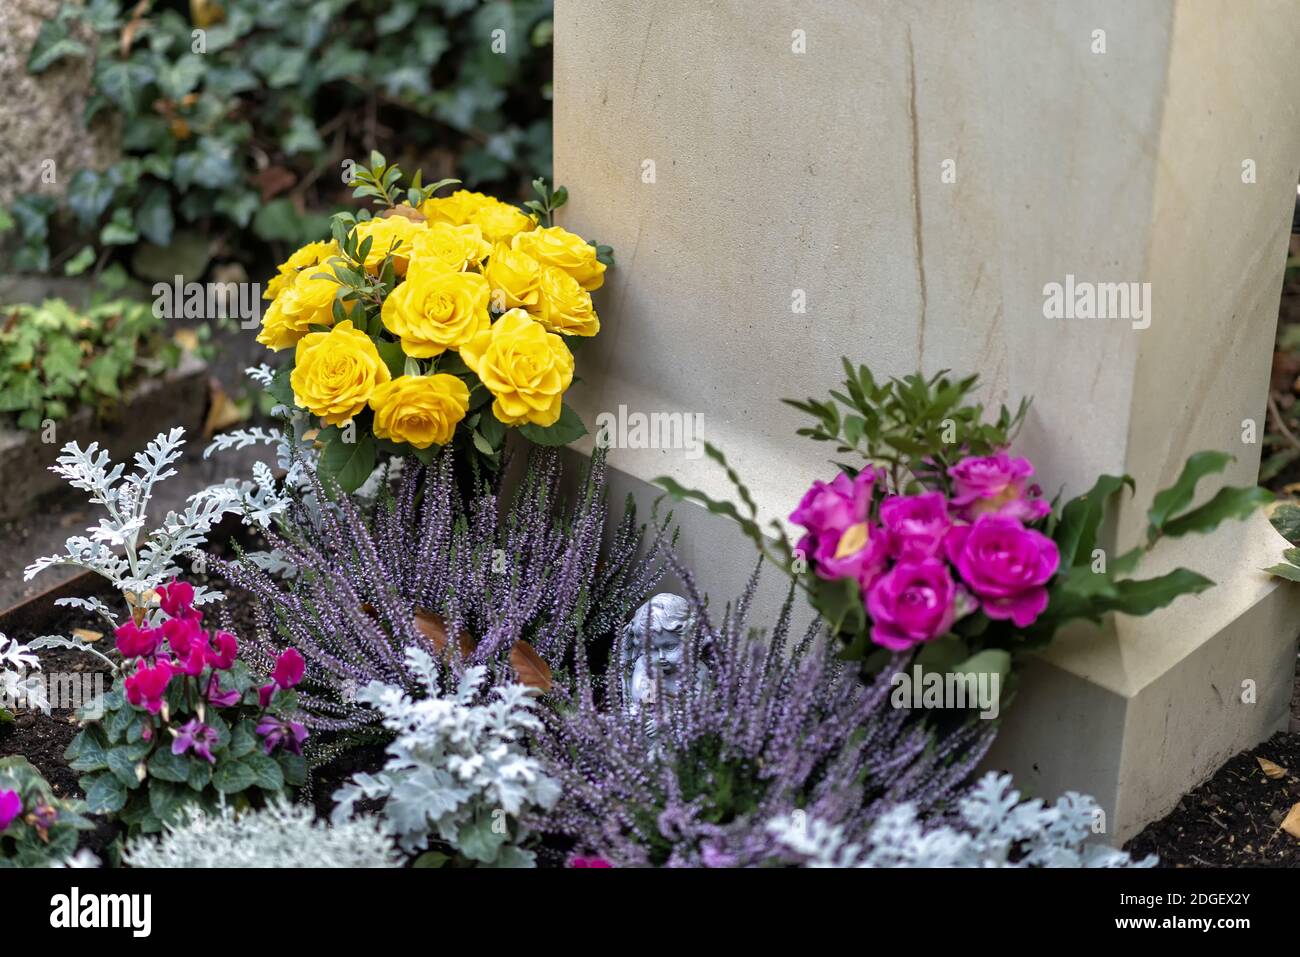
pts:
[916, 524]
[841, 542]
[996, 484]
[1005, 565]
[913, 602]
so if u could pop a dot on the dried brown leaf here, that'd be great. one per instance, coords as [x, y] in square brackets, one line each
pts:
[1274, 771]
[530, 668]
[1292, 822]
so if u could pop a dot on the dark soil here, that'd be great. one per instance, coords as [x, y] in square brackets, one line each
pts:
[1234, 819]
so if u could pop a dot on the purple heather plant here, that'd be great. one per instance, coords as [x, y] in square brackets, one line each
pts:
[766, 729]
[532, 571]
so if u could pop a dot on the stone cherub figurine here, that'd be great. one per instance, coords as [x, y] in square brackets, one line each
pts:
[653, 641]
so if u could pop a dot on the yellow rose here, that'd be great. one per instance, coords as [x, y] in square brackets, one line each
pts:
[433, 312]
[336, 372]
[526, 368]
[554, 246]
[420, 410]
[387, 233]
[455, 209]
[513, 277]
[313, 254]
[564, 306]
[441, 247]
[308, 301]
[501, 221]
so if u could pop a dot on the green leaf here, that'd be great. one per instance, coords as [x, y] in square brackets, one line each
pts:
[79, 263]
[348, 463]
[1178, 496]
[53, 43]
[200, 774]
[566, 429]
[987, 662]
[294, 768]
[1076, 534]
[1287, 571]
[105, 794]
[166, 799]
[122, 764]
[86, 754]
[231, 777]
[1230, 502]
[153, 217]
[1143, 596]
[1286, 519]
[266, 773]
[169, 767]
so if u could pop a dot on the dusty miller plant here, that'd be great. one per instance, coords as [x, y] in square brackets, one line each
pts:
[457, 770]
[994, 828]
[17, 686]
[279, 835]
[121, 548]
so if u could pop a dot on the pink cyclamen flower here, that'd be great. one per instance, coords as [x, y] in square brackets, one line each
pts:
[197, 737]
[277, 731]
[219, 698]
[916, 524]
[289, 668]
[841, 542]
[1006, 565]
[136, 642]
[183, 634]
[223, 651]
[996, 484]
[197, 659]
[264, 694]
[577, 861]
[146, 688]
[913, 602]
[176, 598]
[11, 805]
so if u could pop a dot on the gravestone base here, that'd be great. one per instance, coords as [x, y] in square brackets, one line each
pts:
[1142, 710]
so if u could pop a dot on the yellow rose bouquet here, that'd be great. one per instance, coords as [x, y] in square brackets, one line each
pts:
[435, 320]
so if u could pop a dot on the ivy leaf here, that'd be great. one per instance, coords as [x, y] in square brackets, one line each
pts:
[52, 44]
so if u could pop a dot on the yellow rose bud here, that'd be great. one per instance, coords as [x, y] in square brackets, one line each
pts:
[433, 312]
[565, 306]
[526, 368]
[394, 234]
[336, 372]
[420, 410]
[554, 246]
[501, 221]
[455, 209]
[441, 247]
[313, 254]
[308, 301]
[513, 277]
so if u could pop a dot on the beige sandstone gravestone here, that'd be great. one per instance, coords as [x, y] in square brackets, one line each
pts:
[920, 174]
